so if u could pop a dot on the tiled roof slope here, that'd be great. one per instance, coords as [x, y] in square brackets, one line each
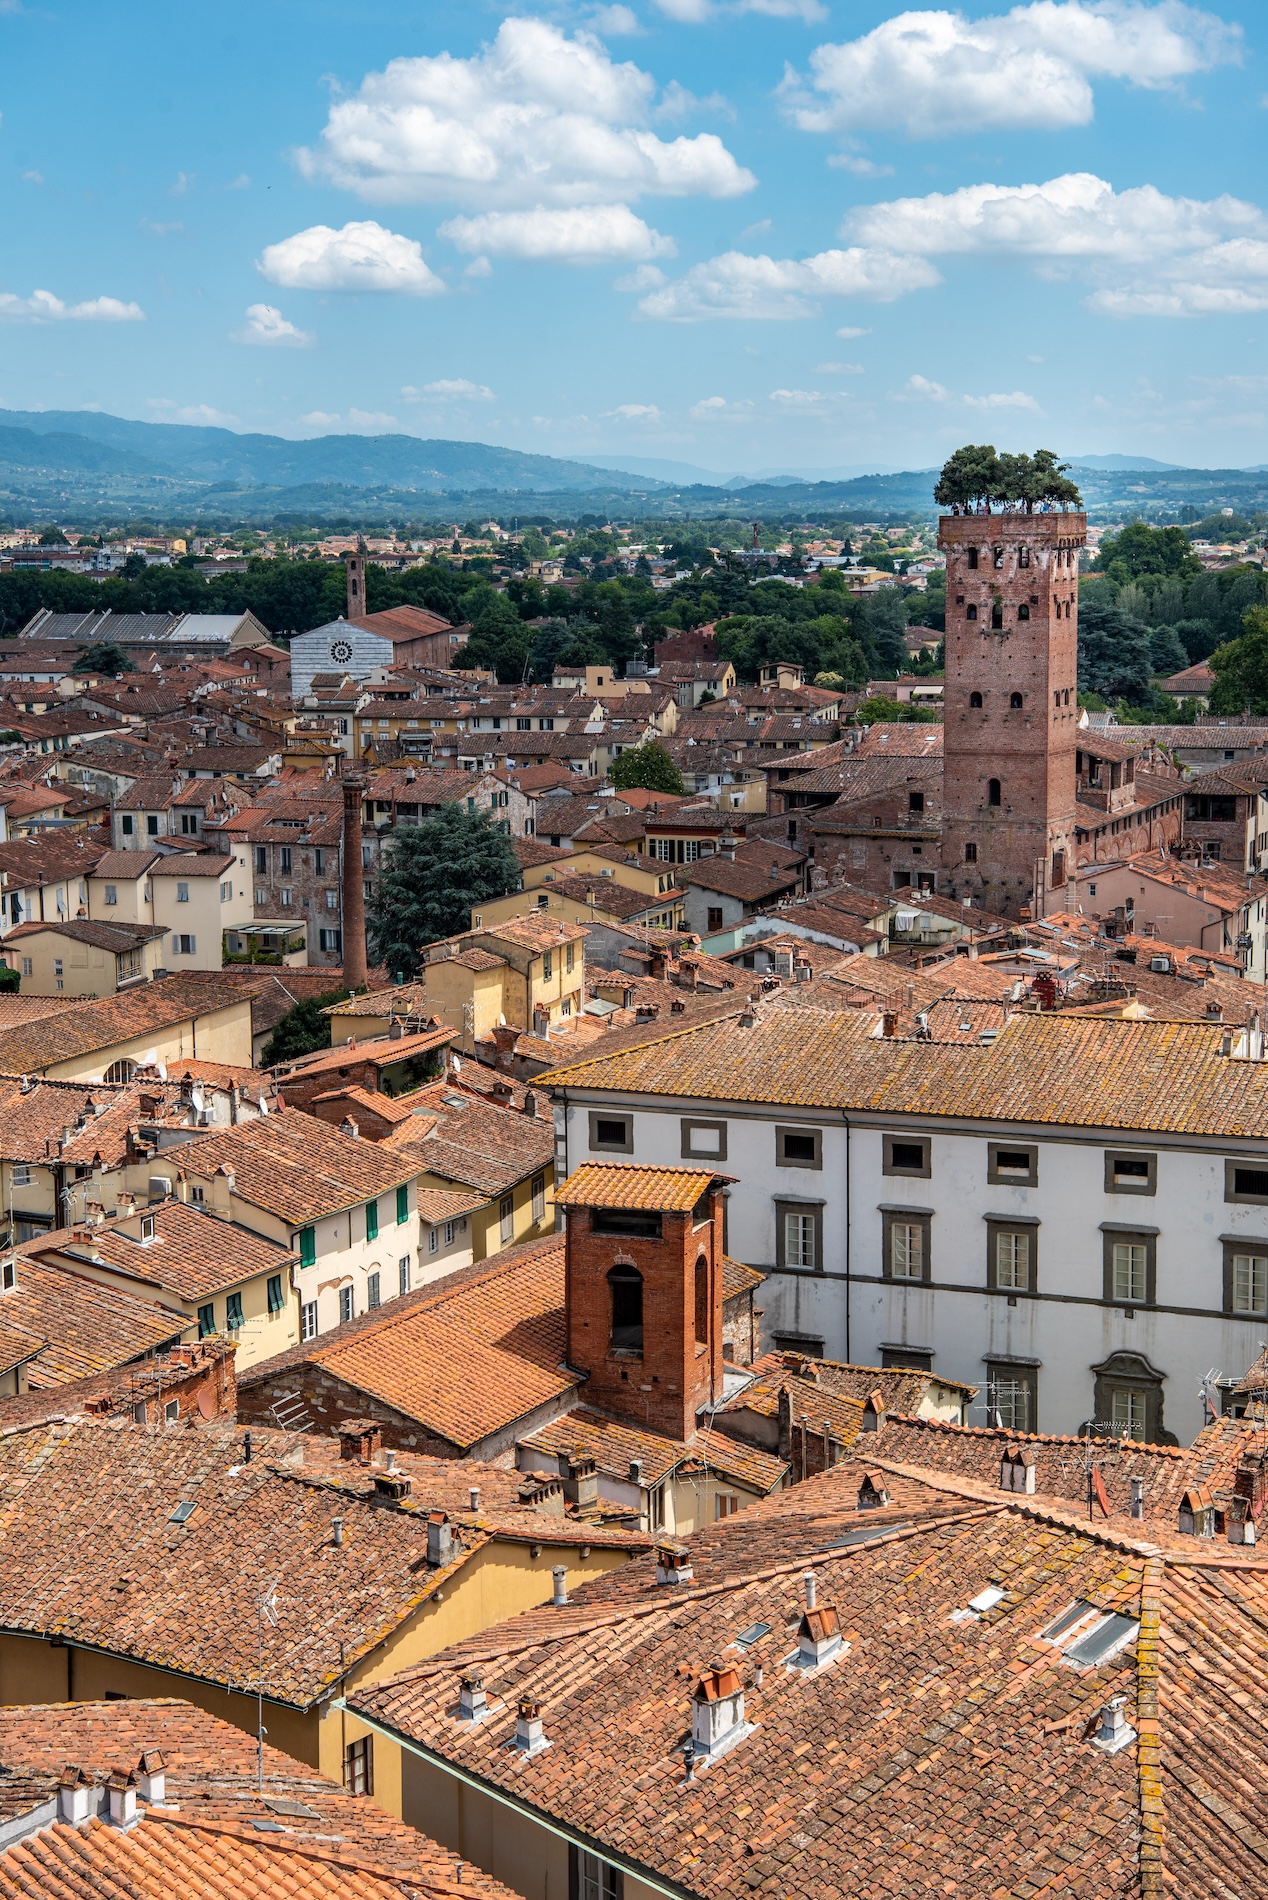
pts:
[932, 1757]
[299, 1837]
[297, 1167]
[622, 1184]
[613, 1445]
[1165, 1077]
[466, 1356]
[77, 1326]
[90, 1026]
[477, 1143]
[193, 1252]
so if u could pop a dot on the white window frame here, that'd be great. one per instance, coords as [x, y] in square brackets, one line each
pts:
[1129, 1409]
[799, 1240]
[1250, 1284]
[1130, 1269]
[907, 1251]
[1012, 1261]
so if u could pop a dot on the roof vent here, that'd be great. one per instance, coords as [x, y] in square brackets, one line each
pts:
[474, 1495]
[717, 1714]
[559, 1576]
[1113, 1731]
[473, 1703]
[873, 1412]
[528, 1727]
[1017, 1469]
[873, 1495]
[673, 1563]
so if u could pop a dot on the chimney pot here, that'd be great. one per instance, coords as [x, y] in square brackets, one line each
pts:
[810, 1586]
[473, 1702]
[440, 1540]
[528, 1726]
[121, 1794]
[1138, 1496]
[1115, 1731]
[337, 1530]
[560, 1576]
[475, 1497]
[151, 1777]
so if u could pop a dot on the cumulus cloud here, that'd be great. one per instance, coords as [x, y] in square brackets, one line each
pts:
[1144, 252]
[536, 117]
[929, 74]
[356, 422]
[616, 20]
[265, 324]
[636, 412]
[923, 389]
[737, 285]
[451, 389]
[922, 386]
[577, 234]
[43, 307]
[718, 409]
[195, 412]
[1014, 399]
[361, 256]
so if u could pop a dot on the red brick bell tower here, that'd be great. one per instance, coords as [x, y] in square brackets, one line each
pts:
[644, 1290]
[1010, 707]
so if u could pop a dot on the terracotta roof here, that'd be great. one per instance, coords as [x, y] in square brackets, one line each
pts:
[297, 1167]
[620, 1184]
[193, 1253]
[385, 1106]
[298, 1837]
[474, 1141]
[614, 1446]
[69, 1327]
[737, 1278]
[751, 883]
[125, 864]
[99, 936]
[382, 1050]
[186, 864]
[438, 1204]
[468, 1356]
[88, 1027]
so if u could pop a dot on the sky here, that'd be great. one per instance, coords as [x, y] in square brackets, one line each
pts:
[747, 235]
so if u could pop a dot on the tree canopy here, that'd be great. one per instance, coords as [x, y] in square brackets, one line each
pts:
[647, 767]
[1140, 549]
[103, 657]
[302, 1030]
[975, 476]
[1115, 655]
[431, 876]
[1241, 668]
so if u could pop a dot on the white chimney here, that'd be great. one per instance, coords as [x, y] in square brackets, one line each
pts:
[475, 1497]
[810, 1586]
[673, 1564]
[1138, 1496]
[121, 1792]
[528, 1726]
[473, 1703]
[76, 1797]
[560, 1576]
[440, 1539]
[151, 1777]
[819, 1638]
[717, 1712]
[1115, 1731]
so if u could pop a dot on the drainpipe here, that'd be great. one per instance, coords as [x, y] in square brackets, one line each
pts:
[848, 1281]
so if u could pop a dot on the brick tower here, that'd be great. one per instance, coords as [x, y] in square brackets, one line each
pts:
[643, 1312]
[1010, 707]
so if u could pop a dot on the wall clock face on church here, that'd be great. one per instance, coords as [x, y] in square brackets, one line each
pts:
[341, 651]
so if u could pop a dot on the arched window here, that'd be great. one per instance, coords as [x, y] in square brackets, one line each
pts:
[1065, 697]
[992, 791]
[1015, 701]
[121, 1071]
[702, 1301]
[970, 853]
[975, 699]
[1023, 557]
[999, 557]
[972, 557]
[970, 613]
[1023, 612]
[1056, 699]
[627, 1309]
[997, 616]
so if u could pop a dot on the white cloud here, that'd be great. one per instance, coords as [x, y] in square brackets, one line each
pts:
[1017, 399]
[617, 21]
[861, 167]
[321, 419]
[43, 307]
[356, 422]
[636, 412]
[534, 118]
[838, 369]
[921, 386]
[923, 389]
[932, 73]
[678, 103]
[196, 412]
[479, 267]
[645, 277]
[737, 285]
[1146, 254]
[451, 389]
[266, 324]
[718, 409]
[798, 398]
[33, 178]
[361, 256]
[850, 330]
[696, 12]
[578, 234]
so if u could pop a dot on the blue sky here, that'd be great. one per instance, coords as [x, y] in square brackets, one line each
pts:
[739, 233]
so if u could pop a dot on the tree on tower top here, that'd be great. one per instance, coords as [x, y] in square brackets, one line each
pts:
[976, 476]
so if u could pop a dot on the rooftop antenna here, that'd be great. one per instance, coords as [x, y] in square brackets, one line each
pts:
[267, 1612]
[1207, 1389]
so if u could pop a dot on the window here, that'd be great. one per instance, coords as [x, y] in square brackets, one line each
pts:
[626, 1287]
[1010, 1260]
[28, 966]
[21, 1174]
[798, 1148]
[261, 859]
[1245, 1183]
[126, 824]
[285, 896]
[112, 893]
[703, 1141]
[402, 1204]
[233, 1312]
[1127, 1411]
[905, 1235]
[184, 945]
[347, 1304]
[276, 1298]
[189, 823]
[539, 1197]
[319, 861]
[907, 1358]
[1023, 557]
[373, 1295]
[433, 1240]
[226, 892]
[1010, 1164]
[286, 857]
[725, 1504]
[371, 1220]
[1058, 870]
[800, 1236]
[915, 801]
[1023, 612]
[1130, 1265]
[972, 557]
[358, 1766]
[206, 1320]
[1130, 1173]
[569, 958]
[612, 1134]
[1015, 701]
[330, 940]
[121, 1071]
[449, 1231]
[308, 1246]
[506, 1219]
[970, 853]
[182, 893]
[1012, 1392]
[992, 791]
[975, 700]
[308, 1320]
[548, 965]
[590, 1878]
[152, 826]
[1249, 1283]
[997, 617]
[906, 1154]
[970, 612]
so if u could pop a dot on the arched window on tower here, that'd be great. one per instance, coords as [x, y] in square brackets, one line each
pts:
[626, 1283]
[970, 612]
[1023, 612]
[999, 557]
[702, 1301]
[992, 798]
[1015, 701]
[972, 557]
[1023, 557]
[975, 699]
[997, 616]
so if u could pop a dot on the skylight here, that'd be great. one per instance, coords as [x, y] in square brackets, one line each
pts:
[753, 1634]
[977, 1606]
[865, 1534]
[182, 1513]
[1088, 1636]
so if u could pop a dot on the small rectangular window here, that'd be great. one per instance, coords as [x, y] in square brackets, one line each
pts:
[358, 1766]
[1128, 1411]
[907, 1252]
[308, 1320]
[569, 959]
[1012, 1261]
[799, 1242]
[548, 965]
[715, 917]
[206, 1320]
[1130, 1264]
[371, 1220]
[506, 1219]
[539, 1197]
[402, 1204]
[449, 1232]
[403, 1273]
[908, 1155]
[1011, 1396]
[308, 1246]
[703, 1141]
[433, 1240]
[1010, 1164]
[799, 1148]
[611, 1134]
[1250, 1283]
[347, 1304]
[21, 1174]
[182, 893]
[112, 893]
[373, 1287]
[126, 824]
[276, 1298]
[286, 857]
[1245, 1183]
[1130, 1172]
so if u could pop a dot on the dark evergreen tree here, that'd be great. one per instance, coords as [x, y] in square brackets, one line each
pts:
[431, 877]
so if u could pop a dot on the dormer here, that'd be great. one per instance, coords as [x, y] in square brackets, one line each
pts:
[1196, 1515]
[873, 1495]
[1017, 1469]
[819, 1640]
[873, 1412]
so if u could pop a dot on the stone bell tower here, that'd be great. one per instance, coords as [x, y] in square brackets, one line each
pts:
[1010, 707]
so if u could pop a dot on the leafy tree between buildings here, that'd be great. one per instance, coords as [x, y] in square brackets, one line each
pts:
[431, 877]
[1241, 668]
[103, 657]
[1115, 652]
[302, 1030]
[647, 767]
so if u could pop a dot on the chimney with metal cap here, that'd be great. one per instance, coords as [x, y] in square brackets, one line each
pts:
[474, 1495]
[151, 1777]
[528, 1726]
[76, 1796]
[560, 1577]
[473, 1702]
[121, 1795]
[1138, 1496]
[810, 1586]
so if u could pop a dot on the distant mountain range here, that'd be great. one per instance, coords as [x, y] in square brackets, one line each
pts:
[83, 466]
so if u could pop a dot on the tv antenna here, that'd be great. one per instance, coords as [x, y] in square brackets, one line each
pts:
[267, 1611]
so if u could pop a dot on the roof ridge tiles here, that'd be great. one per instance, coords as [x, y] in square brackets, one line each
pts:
[1022, 1438]
[1027, 1506]
[292, 1842]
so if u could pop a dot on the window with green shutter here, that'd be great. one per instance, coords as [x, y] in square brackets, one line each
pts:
[371, 1220]
[233, 1312]
[308, 1246]
[402, 1204]
[276, 1301]
[206, 1321]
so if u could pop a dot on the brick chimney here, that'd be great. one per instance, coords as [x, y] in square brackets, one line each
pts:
[643, 1295]
[354, 959]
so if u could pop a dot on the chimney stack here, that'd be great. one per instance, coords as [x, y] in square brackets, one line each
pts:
[559, 1576]
[1138, 1496]
[473, 1702]
[354, 958]
[475, 1497]
[528, 1726]
[440, 1540]
[810, 1586]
